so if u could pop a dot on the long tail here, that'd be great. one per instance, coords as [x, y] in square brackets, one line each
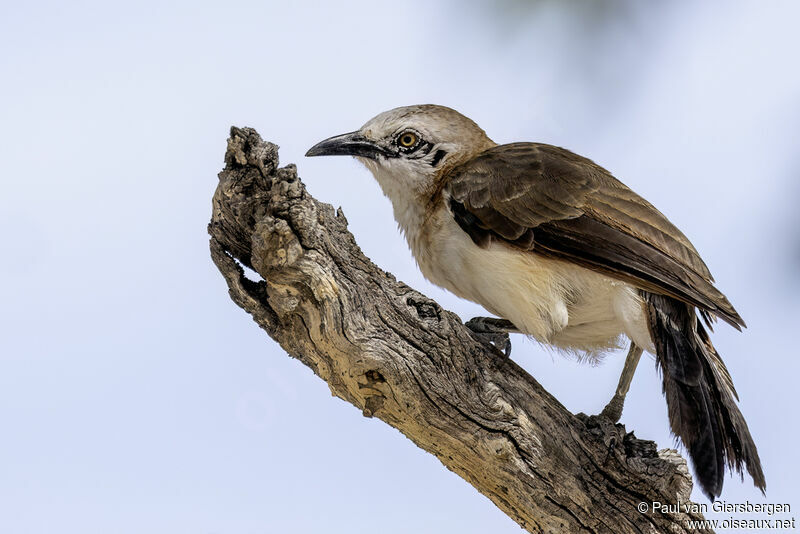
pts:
[701, 399]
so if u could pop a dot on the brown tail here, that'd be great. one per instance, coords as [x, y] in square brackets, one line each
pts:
[700, 396]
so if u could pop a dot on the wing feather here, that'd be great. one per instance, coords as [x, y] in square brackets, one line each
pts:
[551, 201]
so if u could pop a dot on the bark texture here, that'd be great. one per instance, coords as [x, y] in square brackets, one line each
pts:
[398, 356]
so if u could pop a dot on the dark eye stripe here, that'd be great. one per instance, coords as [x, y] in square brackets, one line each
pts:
[420, 151]
[437, 157]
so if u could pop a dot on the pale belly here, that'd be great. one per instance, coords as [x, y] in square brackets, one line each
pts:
[556, 302]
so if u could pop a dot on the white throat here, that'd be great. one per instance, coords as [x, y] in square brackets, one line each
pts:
[405, 189]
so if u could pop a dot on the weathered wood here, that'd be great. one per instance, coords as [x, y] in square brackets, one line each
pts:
[398, 356]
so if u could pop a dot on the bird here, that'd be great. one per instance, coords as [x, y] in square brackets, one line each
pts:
[558, 249]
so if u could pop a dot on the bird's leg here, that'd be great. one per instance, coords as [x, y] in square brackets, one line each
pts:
[494, 331]
[613, 409]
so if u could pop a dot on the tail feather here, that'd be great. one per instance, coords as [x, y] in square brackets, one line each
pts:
[701, 400]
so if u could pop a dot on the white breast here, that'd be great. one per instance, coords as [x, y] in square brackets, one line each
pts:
[554, 301]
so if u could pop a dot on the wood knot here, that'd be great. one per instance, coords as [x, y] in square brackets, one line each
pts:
[372, 404]
[426, 309]
[374, 377]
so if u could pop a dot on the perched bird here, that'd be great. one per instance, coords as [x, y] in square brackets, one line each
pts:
[560, 250]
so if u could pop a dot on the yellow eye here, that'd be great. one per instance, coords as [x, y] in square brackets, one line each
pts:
[407, 139]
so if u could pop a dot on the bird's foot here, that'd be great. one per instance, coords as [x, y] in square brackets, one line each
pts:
[613, 410]
[494, 331]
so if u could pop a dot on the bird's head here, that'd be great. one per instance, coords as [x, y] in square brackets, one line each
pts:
[409, 148]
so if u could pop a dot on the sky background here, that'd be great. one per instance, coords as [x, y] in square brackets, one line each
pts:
[136, 397]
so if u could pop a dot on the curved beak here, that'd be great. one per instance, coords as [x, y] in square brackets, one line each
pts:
[349, 144]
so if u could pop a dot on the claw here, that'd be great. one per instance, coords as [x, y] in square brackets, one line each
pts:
[493, 331]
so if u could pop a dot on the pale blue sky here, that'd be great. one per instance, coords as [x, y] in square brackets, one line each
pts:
[136, 397]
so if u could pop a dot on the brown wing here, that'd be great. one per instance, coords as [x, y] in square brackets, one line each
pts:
[550, 201]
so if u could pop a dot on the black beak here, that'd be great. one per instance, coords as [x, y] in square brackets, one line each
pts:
[349, 144]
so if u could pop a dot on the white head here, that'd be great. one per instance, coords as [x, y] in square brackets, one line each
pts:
[408, 149]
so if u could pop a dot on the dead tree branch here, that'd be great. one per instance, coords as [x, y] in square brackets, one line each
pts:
[398, 356]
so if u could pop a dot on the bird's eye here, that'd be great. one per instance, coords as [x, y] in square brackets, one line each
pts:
[407, 139]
